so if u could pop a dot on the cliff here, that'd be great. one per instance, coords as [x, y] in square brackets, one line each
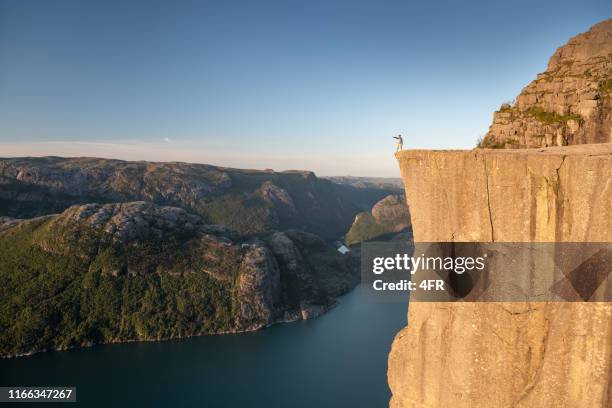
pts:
[570, 103]
[387, 217]
[506, 354]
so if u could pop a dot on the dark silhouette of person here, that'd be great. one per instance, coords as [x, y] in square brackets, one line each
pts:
[400, 142]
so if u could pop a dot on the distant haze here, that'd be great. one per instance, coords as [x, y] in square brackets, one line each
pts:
[314, 85]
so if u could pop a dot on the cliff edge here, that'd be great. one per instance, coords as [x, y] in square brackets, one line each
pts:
[506, 354]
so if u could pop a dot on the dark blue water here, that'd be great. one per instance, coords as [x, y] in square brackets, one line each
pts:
[336, 360]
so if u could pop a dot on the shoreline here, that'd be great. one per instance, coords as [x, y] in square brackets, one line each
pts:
[298, 315]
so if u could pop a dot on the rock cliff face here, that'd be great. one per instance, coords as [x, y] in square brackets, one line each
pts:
[388, 216]
[570, 103]
[506, 354]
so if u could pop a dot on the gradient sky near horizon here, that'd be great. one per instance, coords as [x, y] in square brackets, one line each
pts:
[318, 85]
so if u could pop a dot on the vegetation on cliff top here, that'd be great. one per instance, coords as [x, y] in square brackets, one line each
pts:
[551, 117]
[514, 113]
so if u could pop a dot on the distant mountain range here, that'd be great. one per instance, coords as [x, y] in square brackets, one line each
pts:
[248, 201]
[393, 184]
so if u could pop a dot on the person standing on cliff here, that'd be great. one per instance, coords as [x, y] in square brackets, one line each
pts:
[400, 143]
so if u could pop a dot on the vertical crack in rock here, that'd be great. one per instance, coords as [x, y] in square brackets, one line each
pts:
[486, 170]
[538, 372]
[559, 169]
[559, 200]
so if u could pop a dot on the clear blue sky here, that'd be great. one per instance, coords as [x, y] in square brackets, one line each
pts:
[288, 84]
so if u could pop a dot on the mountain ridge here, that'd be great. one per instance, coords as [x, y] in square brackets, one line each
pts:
[249, 201]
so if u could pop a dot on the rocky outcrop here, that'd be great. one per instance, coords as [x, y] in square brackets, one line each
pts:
[127, 222]
[388, 216]
[8, 222]
[570, 103]
[102, 273]
[259, 287]
[506, 354]
[392, 208]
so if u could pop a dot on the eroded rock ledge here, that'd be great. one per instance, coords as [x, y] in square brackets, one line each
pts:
[506, 354]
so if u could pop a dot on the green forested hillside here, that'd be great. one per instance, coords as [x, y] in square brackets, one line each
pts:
[137, 271]
[62, 300]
